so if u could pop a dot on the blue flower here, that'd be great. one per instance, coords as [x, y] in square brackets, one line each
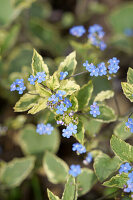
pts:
[77, 31]
[66, 133]
[48, 129]
[113, 65]
[40, 76]
[60, 93]
[53, 98]
[129, 187]
[129, 124]
[75, 170]
[63, 75]
[91, 68]
[125, 168]
[130, 175]
[73, 128]
[128, 32]
[102, 69]
[60, 109]
[67, 103]
[13, 86]
[96, 35]
[21, 88]
[94, 71]
[32, 80]
[79, 148]
[94, 109]
[18, 85]
[40, 128]
[88, 158]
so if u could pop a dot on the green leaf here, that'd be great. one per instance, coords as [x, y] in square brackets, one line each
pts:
[80, 133]
[86, 180]
[121, 131]
[39, 106]
[130, 75]
[53, 82]
[122, 17]
[92, 127]
[103, 95]
[84, 95]
[117, 181]
[70, 187]
[69, 86]
[104, 166]
[26, 102]
[55, 168]
[128, 90]
[33, 143]
[122, 149]
[43, 92]
[12, 174]
[69, 64]
[38, 64]
[107, 114]
[51, 196]
[74, 102]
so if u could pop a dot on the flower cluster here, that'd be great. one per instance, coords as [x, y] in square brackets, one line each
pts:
[101, 68]
[63, 75]
[70, 129]
[79, 148]
[94, 109]
[18, 85]
[96, 35]
[40, 77]
[44, 129]
[126, 168]
[75, 170]
[129, 124]
[77, 31]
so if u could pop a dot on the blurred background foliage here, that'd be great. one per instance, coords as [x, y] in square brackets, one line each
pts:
[44, 25]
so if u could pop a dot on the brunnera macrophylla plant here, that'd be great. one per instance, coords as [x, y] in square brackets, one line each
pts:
[71, 106]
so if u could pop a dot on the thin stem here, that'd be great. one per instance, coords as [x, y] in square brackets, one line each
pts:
[77, 74]
[32, 93]
[47, 88]
[75, 191]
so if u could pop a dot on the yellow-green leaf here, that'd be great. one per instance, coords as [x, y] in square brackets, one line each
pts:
[128, 90]
[103, 95]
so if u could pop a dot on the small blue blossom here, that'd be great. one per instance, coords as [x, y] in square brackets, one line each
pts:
[102, 69]
[61, 109]
[60, 93]
[130, 175]
[63, 75]
[48, 129]
[18, 85]
[94, 109]
[40, 128]
[88, 158]
[94, 71]
[40, 76]
[128, 32]
[66, 133]
[21, 88]
[73, 128]
[129, 124]
[113, 66]
[125, 168]
[13, 87]
[32, 80]
[129, 187]
[75, 170]
[77, 31]
[53, 98]
[67, 103]
[102, 45]
[79, 148]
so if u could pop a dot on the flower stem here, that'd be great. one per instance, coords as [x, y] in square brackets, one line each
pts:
[77, 74]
